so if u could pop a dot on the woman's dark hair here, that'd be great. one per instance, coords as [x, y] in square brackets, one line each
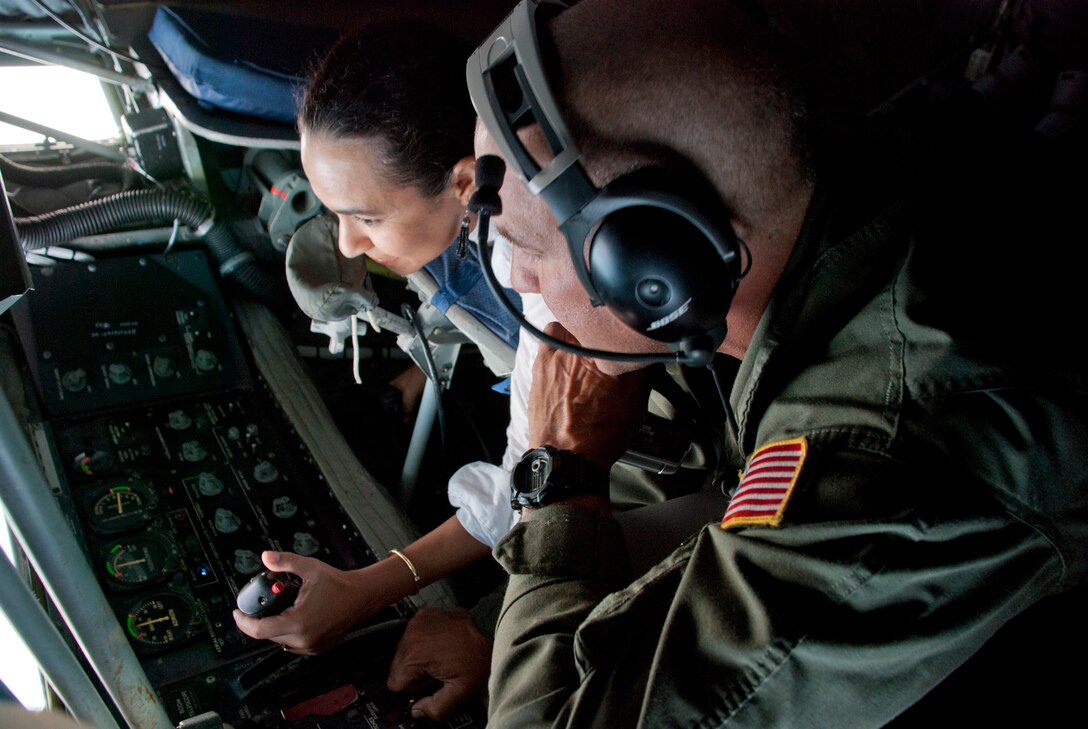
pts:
[400, 84]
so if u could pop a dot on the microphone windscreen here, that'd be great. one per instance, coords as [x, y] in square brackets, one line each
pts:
[489, 171]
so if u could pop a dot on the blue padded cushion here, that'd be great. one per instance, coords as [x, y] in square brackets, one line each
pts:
[462, 282]
[248, 66]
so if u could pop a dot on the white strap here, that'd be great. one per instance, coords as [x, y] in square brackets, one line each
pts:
[355, 350]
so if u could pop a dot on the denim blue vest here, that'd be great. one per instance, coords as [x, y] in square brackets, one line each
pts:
[462, 282]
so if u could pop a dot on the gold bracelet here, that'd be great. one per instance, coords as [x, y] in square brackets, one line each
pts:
[411, 567]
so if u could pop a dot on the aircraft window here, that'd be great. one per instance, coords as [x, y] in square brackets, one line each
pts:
[19, 669]
[73, 103]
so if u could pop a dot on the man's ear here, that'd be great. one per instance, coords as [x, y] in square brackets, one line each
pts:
[463, 180]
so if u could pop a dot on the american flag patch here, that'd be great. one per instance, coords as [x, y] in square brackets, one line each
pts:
[766, 485]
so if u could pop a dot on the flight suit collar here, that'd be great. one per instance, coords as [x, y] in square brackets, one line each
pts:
[842, 257]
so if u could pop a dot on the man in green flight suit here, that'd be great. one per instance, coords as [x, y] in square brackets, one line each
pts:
[912, 477]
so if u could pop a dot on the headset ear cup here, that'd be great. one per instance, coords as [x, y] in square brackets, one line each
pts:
[659, 274]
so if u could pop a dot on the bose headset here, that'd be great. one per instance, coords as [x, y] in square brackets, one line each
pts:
[654, 245]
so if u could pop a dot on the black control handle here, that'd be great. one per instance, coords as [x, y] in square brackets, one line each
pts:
[268, 593]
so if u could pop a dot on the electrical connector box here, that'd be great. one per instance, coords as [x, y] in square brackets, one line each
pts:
[154, 141]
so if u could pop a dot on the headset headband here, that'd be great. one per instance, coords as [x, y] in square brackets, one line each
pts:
[509, 89]
[511, 56]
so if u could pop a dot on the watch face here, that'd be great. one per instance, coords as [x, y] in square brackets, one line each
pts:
[539, 470]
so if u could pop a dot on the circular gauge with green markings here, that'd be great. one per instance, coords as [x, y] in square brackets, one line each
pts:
[121, 506]
[139, 560]
[163, 619]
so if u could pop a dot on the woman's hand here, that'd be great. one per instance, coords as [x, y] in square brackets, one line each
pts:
[329, 603]
[409, 384]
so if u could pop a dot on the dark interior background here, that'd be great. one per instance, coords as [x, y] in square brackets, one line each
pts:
[851, 55]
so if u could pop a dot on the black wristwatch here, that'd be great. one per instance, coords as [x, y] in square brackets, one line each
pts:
[546, 475]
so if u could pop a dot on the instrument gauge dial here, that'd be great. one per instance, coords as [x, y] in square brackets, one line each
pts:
[121, 506]
[139, 560]
[163, 619]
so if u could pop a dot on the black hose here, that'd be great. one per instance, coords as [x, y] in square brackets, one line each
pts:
[241, 266]
[155, 207]
[112, 213]
[57, 175]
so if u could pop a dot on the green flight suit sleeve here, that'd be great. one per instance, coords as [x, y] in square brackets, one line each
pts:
[562, 561]
[837, 623]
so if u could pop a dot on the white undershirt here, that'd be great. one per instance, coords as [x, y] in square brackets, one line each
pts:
[481, 491]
